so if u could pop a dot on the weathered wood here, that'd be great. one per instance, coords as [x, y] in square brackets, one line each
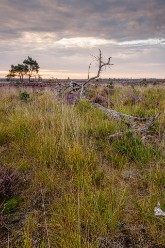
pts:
[101, 65]
[139, 131]
[110, 113]
[148, 122]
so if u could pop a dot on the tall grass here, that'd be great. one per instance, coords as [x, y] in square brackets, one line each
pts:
[76, 191]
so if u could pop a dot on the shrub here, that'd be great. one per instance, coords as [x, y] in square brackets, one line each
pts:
[72, 98]
[102, 100]
[132, 99]
[11, 205]
[110, 85]
[10, 182]
[102, 97]
[24, 96]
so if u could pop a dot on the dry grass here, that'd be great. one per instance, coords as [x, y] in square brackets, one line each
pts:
[80, 188]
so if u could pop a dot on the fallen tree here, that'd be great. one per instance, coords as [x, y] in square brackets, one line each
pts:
[136, 125]
[110, 113]
[142, 125]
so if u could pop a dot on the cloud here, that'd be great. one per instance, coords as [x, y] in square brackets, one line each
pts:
[121, 20]
[63, 33]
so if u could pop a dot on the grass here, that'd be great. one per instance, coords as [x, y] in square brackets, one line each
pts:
[79, 186]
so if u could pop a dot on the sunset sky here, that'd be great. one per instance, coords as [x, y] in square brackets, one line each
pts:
[62, 35]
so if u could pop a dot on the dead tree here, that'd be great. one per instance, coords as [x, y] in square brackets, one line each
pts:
[136, 125]
[101, 65]
[74, 86]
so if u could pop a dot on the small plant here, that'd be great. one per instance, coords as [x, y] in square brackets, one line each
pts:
[144, 82]
[24, 96]
[11, 205]
[110, 85]
[133, 97]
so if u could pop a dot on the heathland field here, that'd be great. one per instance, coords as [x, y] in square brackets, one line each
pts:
[66, 182]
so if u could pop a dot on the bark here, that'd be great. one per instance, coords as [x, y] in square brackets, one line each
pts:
[110, 113]
[140, 129]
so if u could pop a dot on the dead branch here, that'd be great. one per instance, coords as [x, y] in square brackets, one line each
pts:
[101, 65]
[74, 86]
[149, 124]
[82, 95]
[116, 136]
[139, 131]
[89, 69]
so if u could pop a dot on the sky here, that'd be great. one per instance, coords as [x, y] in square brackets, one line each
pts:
[65, 35]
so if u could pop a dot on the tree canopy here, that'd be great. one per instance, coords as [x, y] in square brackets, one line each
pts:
[28, 67]
[32, 66]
